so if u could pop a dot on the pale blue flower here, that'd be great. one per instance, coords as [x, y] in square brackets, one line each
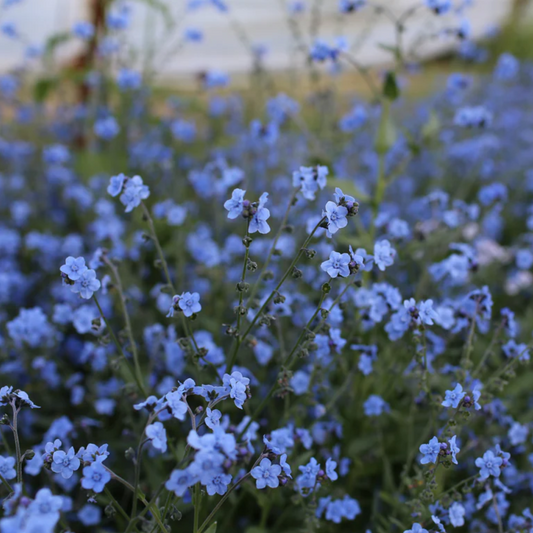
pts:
[337, 265]
[266, 474]
[235, 204]
[336, 215]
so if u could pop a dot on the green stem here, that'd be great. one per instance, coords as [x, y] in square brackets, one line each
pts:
[127, 319]
[267, 301]
[117, 505]
[273, 247]
[219, 504]
[153, 508]
[153, 234]
[18, 454]
[290, 360]
[243, 276]
[6, 483]
[488, 351]
[469, 343]
[119, 347]
[197, 496]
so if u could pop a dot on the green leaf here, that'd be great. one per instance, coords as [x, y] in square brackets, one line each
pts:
[350, 188]
[386, 135]
[212, 528]
[42, 88]
[390, 87]
[56, 40]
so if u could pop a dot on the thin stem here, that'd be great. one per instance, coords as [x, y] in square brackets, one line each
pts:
[219, 504]
[289, 361]
[273, 247]
[363, 71]
[6, 483]
[488, 351]
[153, 508]
[138, 459]
[18, 454]
[470, 340]
[165, 509]
[497, 512]
[196, 507]
[129, 329]
[117, 505]
[243, 275]
[153, 234]
[119, 347]
[274, 291]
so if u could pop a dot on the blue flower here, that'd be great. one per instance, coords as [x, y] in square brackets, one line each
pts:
[193, 35]
[83, 30]
[456, 514]
[489, 465]
[106, 128]
[517, 433]
[148, 404]
[116, 184]
[416, 528]
[322, 51]
[128, 79]
[86, 284]
[507, 67]
[95, 477]
[134, 192]
[7, 467]
[309, 473]
[235, 204]
[218, 484]
[337, 265]
[440, 7]
[375, 406]
[266, 474]
[476, 394]
[348, 6]
[330, 469]
[180, 481]
[454, 397]
[454, 449]
[65, 463]
[473, 117]
[158, 436]
[286, 467]
[24, 399]
[384, 254]
[237, 385]
[426, 313]
[73, 267]
[212, 418]
[259, 218]
[177, 405]
[189, 303]
[310, 179]
[438, 523]
[430, 451]
[45, 503]
[94, 453]
[336, 215]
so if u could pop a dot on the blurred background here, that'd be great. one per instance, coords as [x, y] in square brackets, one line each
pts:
[278, 31]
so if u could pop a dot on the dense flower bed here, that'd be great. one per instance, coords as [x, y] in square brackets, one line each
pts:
[236, 322]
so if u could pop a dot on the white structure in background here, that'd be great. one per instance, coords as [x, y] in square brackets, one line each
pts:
[265, 23]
